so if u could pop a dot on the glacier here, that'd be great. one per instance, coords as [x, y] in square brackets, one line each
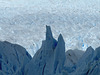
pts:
[78, 21]
[12, 58]
[23, 24]
[79, 29]
[50, 59]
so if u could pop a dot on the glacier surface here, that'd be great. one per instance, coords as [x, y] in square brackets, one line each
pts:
[50, 59]
[78, 21]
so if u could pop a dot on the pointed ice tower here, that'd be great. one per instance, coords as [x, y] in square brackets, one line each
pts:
[82, 67]
[50, 41]
[59, 57]
[49, 59]
[86, 57]
[48, 33]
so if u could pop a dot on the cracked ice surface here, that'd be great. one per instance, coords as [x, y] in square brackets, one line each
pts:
[77, 22]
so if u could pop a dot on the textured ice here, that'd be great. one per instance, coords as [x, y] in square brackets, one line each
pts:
[88, 63]
[49, 59]
[72, 57]
[79, 33]
[12, 58]
[78, 21]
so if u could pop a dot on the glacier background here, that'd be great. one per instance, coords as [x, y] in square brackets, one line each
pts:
[23, 22]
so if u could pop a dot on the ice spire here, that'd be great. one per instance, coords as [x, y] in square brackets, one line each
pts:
[59, 57]
[49, 59]
[48, 33]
